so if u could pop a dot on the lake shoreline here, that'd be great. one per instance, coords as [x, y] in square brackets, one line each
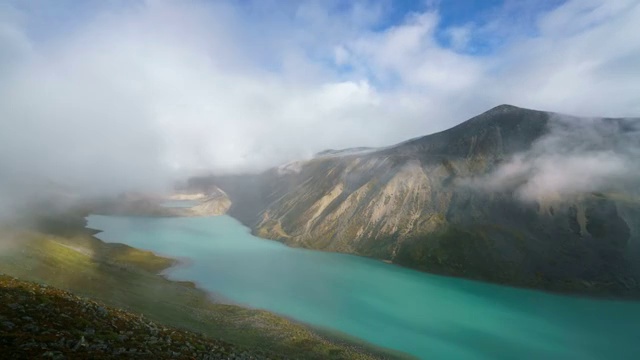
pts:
[390, 306]
[176, 263]
[585, 291]
[578, 289]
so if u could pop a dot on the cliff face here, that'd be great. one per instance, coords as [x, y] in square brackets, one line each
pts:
[452, 203]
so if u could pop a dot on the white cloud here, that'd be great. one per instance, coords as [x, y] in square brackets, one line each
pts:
[574, 17]
[577, 156]
[459, 36]
[142, 92]
[576, 65]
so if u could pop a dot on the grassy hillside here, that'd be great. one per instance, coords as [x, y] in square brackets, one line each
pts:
[124, 277]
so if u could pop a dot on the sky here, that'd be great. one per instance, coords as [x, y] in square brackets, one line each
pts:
[119, 95]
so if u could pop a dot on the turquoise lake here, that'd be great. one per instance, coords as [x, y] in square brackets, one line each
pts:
[431, 317]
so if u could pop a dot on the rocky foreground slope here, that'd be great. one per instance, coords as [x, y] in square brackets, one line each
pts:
[38, 321]
[514, 196]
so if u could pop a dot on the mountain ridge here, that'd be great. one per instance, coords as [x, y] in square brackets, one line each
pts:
[437, 203]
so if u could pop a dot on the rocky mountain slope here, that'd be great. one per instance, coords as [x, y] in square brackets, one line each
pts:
[514, 196]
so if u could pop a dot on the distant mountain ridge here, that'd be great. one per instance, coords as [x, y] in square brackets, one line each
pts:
[419, 204]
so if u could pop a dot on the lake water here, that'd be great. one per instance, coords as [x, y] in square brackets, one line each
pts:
[431, 317]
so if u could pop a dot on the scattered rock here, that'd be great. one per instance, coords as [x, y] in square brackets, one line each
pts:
[102, 311]
[80, 343]
[8, 324]
[72, 327]
[30, 328]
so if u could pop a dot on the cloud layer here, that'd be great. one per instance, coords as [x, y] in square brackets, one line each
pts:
[134, 94]
[577, 156]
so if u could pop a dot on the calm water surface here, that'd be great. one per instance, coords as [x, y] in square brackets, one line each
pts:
[425, 315]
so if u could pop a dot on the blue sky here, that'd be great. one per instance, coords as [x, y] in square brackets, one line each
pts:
[241, 86]
[511, 16]
[65, 15]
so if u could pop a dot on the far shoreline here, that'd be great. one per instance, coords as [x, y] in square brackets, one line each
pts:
[554, 290]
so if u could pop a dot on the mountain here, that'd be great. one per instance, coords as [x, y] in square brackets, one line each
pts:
[514, 196]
